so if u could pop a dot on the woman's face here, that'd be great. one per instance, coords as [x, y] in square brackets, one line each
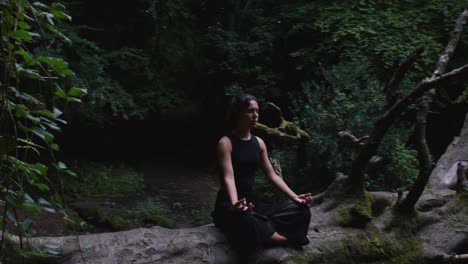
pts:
[250, 116]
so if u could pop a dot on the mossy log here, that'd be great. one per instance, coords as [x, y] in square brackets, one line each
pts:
[277, 129]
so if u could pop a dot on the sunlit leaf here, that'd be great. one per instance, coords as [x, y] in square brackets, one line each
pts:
[28, 198]
[41, 186]
[31, 73]
[50, 210]
[11, 217]
[34, 119]
[60, 93]
[59, 65]
[26, 56]
[55, 147]
[77, 92]
[61, 15]
[62, 165]
[46, 136]
[43, 201]
[23, 35]
[58, 33]
[39, 5]
[49, 17]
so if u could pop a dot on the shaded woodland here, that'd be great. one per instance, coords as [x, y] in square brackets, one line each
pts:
[364, 103]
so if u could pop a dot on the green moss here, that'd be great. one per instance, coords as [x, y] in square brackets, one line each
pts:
[462, 197]
[403, 222]
[274, 132]
[375, 246]
[355, 211]
[111, 218]
[153, 211]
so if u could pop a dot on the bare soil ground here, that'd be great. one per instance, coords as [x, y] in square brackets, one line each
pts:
[189, 190]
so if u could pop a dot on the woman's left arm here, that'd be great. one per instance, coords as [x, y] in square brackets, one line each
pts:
[278, 181]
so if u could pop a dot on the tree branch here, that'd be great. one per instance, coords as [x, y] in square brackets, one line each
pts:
[382, 125]
[391, 90]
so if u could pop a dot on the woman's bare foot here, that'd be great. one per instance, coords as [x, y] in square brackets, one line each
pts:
[277, 239]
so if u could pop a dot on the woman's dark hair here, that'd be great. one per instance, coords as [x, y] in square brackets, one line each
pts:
[238, 106]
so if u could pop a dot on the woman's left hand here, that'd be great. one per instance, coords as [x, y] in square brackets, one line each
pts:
[305, 198]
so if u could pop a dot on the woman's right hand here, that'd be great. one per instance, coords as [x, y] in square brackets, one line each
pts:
[242, 206]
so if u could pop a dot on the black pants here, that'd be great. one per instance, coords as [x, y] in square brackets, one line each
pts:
[247, 231]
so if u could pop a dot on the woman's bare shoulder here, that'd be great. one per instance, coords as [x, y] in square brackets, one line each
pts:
[224, 143]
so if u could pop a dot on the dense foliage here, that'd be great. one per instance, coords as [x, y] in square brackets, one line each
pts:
[34, 89]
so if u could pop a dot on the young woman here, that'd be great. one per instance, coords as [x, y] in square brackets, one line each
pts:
[246, 223]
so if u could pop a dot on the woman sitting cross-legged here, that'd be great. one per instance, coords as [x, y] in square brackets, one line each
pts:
[249, 224]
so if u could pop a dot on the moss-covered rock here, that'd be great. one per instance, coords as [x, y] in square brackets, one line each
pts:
[102, 216]
[355, 210]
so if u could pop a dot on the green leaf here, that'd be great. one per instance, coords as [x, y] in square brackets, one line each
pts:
[51, 124]
[40, 167]
[32, 255]
[34, 119]
[49, 17]
[24, 25]
[43, 201]
[23, 35]
[62, 165]
[12, 217]
[46, 136]
[21, 111]
[60, 93]
[71, 173]
[26, 55]
[30, 143]
[57, 6]
[31, 208]
[58, 198]
[41, 186]
[77, 92]
[55, 147]
[58, 64]
[26, 224]
[28, 198]
[50, 210]
[40, 5]
[57, 112]
[58, 33]
[61, 15]
[31, 73]
[25, 96]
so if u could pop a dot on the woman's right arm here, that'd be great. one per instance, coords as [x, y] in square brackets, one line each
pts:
[224, 158]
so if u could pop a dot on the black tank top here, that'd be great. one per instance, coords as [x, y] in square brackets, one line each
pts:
[245, 158]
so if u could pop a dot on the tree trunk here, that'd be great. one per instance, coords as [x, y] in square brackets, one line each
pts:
[424, 156]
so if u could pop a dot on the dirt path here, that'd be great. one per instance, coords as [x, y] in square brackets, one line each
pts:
[188, 189]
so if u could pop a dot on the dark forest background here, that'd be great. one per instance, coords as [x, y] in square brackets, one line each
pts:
[159, 75]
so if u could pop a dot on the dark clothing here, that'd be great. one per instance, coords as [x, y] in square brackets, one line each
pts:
[247, 231]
